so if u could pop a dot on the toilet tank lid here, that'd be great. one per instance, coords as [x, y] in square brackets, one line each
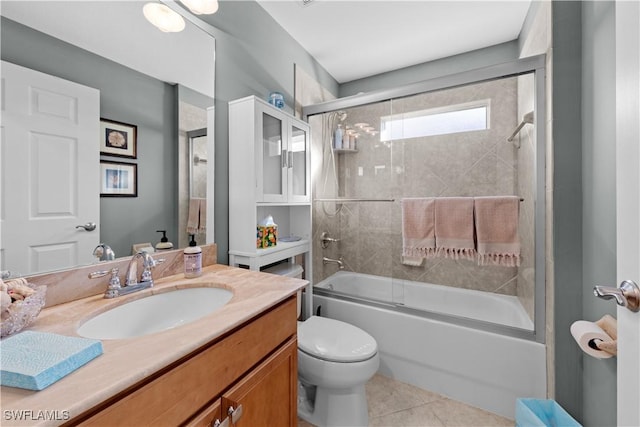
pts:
[285, 269]
[335, 341]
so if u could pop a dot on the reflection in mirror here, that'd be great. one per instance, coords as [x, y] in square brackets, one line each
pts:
[141, 86]
[194, 160]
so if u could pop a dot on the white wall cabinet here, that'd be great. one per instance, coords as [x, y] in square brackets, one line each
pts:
[269, 174]
[280, 145]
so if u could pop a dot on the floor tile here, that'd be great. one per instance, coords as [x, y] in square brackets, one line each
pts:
[456, 414]
[386, 396]
[419, 416]
[394, 403]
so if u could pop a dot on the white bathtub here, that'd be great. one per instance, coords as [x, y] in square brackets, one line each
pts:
[468, 303]
[484, 369]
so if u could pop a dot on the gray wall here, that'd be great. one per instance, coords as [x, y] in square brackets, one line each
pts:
[125, 96]
[598, 203]
[254, 56]
[584, 200]
[567, 200]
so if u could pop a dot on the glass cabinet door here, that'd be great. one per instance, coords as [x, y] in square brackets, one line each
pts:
[298, 173]
[273, 159]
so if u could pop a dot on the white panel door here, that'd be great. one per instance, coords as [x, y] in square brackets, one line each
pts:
[50, 175]
[628, 203]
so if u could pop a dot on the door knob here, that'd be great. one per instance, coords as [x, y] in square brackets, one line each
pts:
[90, 226]
[627, 295]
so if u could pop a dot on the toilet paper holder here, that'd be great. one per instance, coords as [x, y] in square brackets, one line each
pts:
[627, 295]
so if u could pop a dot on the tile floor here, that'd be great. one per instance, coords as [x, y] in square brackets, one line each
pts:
[393, 403]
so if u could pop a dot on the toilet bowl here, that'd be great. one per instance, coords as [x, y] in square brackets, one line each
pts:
[335, 360]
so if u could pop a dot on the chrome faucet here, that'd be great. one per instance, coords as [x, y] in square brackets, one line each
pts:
[104, 253]
[131, 284]
[326, 260]
[131, 278]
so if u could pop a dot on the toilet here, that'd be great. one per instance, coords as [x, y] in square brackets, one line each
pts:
[335, 360]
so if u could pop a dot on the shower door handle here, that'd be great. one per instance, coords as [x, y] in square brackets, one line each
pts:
[284, 159]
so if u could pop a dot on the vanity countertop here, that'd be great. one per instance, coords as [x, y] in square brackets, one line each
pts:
[126, 362]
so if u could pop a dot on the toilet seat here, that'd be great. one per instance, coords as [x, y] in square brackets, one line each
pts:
[335, 341]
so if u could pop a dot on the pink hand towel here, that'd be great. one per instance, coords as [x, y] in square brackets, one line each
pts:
[497, 230]
[418, 236]
[197, 216]
[454, 228]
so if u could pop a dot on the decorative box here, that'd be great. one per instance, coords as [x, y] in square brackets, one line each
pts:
[266, 236]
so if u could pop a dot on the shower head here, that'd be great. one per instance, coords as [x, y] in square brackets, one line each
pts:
[526, 119]
[340, 115]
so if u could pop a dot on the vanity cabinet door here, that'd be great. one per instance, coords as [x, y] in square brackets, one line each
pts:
[267, 395]
[209, 416]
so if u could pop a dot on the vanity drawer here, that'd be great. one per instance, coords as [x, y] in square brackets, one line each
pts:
[188, 386]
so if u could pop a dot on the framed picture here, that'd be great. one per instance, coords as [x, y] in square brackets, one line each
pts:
[118, 139]
[118, 179]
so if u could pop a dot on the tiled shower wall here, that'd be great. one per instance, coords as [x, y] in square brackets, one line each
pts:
[478, 163]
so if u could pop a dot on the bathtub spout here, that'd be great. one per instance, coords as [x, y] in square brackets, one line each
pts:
[326, 260]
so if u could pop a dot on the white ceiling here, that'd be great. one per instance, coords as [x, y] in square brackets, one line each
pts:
[353, 39]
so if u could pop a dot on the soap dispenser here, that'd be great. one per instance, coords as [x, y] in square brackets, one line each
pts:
[164, 244]
[192, 259]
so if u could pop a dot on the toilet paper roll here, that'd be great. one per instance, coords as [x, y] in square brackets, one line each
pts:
[584, 332]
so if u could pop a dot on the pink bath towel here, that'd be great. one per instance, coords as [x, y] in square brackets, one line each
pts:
[497, 230]
[454, 228]
[418, 236]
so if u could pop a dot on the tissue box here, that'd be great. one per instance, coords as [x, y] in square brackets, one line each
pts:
[35, 360]
[266, 236]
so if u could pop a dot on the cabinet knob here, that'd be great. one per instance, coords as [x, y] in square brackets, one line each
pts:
[235, 414]
[224, 423]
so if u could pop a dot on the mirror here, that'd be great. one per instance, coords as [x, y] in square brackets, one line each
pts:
[161, 83]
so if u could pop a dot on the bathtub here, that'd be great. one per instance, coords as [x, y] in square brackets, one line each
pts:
[423, 341]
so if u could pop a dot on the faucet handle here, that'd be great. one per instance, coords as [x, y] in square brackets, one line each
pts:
[113, 289]
[149, 263]
[114, 282]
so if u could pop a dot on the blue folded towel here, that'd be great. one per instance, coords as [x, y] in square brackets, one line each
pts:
[35, 360]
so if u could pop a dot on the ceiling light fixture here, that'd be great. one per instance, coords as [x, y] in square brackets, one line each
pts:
[202, 7]
[163, 17]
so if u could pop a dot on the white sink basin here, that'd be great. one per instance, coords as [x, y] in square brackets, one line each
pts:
[155, 313]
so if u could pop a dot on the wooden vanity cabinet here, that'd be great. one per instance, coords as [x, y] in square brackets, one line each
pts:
[253, 367]
[268, 396]
[264, 397]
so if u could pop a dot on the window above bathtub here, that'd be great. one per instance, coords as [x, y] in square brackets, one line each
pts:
[466, 117]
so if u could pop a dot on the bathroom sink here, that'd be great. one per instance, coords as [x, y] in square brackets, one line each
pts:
[155, 313]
